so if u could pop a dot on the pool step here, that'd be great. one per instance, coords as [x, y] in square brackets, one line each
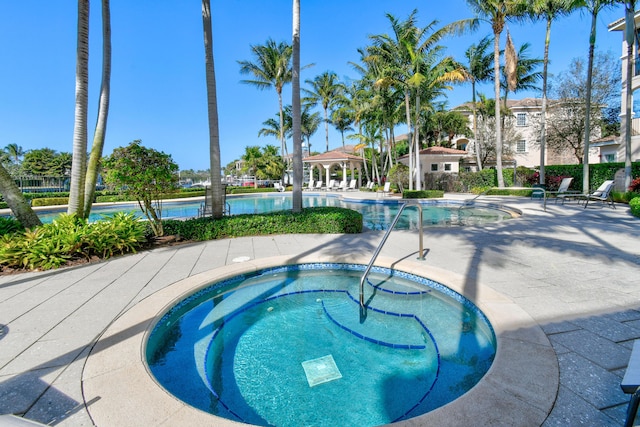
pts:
[380, 327]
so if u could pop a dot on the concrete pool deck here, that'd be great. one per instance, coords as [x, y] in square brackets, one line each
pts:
[574, 272]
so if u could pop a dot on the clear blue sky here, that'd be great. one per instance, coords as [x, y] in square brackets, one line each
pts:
[158, 86]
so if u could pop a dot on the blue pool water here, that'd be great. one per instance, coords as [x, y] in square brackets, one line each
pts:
[377, 214]
[289, 346]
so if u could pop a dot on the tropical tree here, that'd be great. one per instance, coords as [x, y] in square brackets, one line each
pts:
[46, 162]
[309, 124]
[79, 165]
[15, 152]
[144, 174]
[412, 61]
[549, 10]
[217, 190]
[497, 12]
[570, 115]
[296, 111]
[99, 133]
[479, 70]
[271, 69]
[594, 7]
[526, 75]
[342, 121]
[251, 162]
[325, 90]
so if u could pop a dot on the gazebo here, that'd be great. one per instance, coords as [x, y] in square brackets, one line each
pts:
[332, 159]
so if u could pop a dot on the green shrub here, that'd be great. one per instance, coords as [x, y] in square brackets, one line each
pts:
[310, 220]
[485, 178]
[509, 192]
[423, 194]
[50, 201]
[9, 226]
[634, 204]
[69, 237]
[247, 190]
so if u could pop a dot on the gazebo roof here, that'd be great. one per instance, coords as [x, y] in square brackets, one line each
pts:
[442, 151]
[332, 156]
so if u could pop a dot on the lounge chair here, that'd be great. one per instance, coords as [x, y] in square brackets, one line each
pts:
[310, 186]
[278, 186]
[318, 185]
[343, 185]
[330, 185]
[602, 194]
[563, 191]
[352, 185]
[370, 185]
[386, 189]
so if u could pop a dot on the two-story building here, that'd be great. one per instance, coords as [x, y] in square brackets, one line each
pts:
[521, 135]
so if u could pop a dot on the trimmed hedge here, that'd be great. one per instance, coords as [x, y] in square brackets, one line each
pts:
[50, 201]
[634, 204]
[310, 220]
[423, 194]
[248, 190]
[598, 173]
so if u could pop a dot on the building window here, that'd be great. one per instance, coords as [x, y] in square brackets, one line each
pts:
[521, 146]
[521, 119]
[434, 167]
[609, 158]
[447, 166]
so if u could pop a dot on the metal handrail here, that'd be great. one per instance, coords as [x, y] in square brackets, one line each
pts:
[384, 239]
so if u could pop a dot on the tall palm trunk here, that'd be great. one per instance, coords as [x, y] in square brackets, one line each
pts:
[296, 111]
[496, 84]
[79, 165]
[587, 119]
[474, 109]
[217, 190]
[326, 127]
[416, 125]
[15, 199]
[409, 137]
[99, 134]
[630, 31]
[543, 114]
[283, 141]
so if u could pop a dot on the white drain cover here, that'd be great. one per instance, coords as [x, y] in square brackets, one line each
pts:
[321, 370]
[241, 259]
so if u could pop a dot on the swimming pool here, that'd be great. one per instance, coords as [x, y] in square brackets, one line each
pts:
[377, 213]
[288, 346]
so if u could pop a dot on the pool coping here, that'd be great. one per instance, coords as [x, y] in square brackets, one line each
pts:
[520, 388]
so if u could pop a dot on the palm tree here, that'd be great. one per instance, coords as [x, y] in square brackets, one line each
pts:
[217, 190]
[342, 121]
[296, 111]
[411, 61]
[14, 151]
[479, 70]
[272, 126]
[103, 111]
[526, 74]
[79, 165]
[309, 124]
[549, 10]
[272, 69]
[251, 159]
[594, 7]
[325, 90]
[497, 12]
